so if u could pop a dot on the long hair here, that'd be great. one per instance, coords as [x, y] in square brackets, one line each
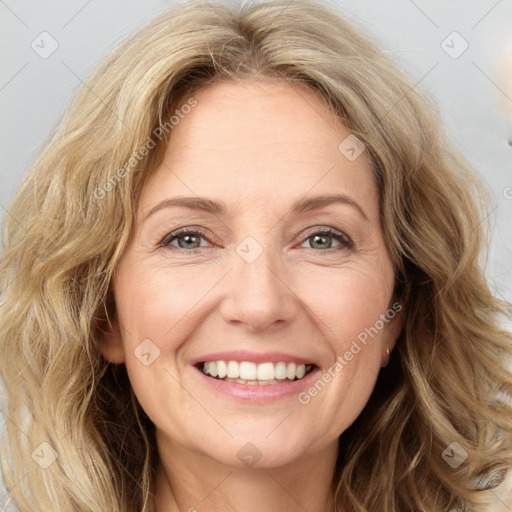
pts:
[76, 437]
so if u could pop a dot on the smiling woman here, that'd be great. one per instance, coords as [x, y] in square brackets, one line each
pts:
[278, 306]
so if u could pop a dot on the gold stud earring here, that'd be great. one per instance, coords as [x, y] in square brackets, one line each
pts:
[387, 362]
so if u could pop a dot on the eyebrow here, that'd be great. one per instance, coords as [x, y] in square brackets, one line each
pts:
[214, 207]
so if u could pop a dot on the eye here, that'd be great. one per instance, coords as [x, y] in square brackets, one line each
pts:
[187, 239]
[322, 240]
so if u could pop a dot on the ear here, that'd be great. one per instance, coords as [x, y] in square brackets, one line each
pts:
[394, 328]
[396, 325]
[110, 343]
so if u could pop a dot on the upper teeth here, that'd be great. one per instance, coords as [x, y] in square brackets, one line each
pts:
[251, 371]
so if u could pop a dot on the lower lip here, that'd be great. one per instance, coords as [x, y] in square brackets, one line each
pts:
[258, 392]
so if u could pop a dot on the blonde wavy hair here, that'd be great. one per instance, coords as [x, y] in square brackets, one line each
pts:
[66, 228]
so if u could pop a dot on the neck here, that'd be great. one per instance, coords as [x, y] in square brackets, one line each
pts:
[192, 482]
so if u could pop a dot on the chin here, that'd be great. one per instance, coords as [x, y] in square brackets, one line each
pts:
[258, 451]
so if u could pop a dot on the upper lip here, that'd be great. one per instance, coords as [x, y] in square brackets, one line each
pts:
[255, 357]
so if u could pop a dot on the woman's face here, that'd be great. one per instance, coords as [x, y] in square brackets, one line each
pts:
[241, 274]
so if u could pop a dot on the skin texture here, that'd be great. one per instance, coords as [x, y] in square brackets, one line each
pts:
[259, 147]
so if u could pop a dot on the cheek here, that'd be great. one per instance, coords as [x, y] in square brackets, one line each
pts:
[158, 309]
[152, 304]
[154, 309]
[352, 325]
[348, 301]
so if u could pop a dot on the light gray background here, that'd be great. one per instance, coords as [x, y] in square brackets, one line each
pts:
[472, 91]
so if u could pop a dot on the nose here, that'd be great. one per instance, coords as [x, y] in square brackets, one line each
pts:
[259, 293]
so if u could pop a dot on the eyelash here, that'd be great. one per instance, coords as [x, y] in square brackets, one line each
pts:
[345, 241]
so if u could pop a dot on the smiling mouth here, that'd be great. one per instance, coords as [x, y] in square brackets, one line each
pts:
[246, 372]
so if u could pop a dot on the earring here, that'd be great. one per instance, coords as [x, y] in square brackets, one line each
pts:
[387, 362]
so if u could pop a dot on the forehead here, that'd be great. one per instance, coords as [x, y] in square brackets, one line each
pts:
[258, 142]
